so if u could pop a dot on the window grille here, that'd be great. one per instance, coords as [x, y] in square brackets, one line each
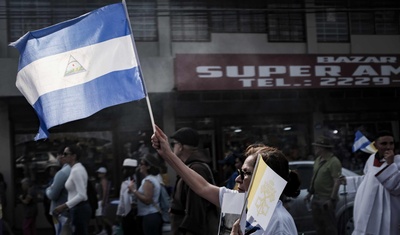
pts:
[30, 15]
[189, 21]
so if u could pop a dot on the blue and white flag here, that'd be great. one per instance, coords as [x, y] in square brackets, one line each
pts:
[76, 68]
[362, 143]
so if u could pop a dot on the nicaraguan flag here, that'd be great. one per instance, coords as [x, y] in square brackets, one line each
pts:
[362, 143]
[74, 69]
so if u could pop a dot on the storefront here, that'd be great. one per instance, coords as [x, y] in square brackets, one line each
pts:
[288, 100]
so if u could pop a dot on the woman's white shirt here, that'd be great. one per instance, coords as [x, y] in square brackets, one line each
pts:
[76, 185]
[144, 209]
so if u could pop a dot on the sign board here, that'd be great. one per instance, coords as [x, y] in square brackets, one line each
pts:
[266, 71]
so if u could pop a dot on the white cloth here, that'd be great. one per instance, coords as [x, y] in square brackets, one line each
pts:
[377, 201]
[76, 185]
[62, 225]
[281, 222]
[99, 210]
[125, 199]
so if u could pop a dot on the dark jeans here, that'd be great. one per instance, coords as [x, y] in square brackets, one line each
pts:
[152, 224]
[80, 218]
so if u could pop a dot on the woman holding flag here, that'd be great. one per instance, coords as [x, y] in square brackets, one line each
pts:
[281, 221]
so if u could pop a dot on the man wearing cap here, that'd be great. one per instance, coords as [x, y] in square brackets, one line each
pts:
[58, 195]
[190, 213]
[127, 207]
[324, 187]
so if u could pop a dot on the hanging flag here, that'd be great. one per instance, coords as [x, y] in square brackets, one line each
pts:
[265, 190]
[76, 68]
[362, 143]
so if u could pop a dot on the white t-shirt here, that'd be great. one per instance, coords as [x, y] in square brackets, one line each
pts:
[281, 222]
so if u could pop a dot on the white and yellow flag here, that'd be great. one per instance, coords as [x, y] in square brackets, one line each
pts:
[265, 189]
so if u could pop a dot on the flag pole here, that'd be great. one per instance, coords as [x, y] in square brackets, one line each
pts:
[140, 67]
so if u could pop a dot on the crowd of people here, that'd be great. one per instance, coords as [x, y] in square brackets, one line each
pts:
[196, 198]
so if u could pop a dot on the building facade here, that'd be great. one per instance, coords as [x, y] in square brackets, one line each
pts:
[280, 72]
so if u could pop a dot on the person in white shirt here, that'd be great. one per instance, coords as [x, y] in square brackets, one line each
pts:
[281, 223]
[76, 185]
[377, 201]
[127, 207]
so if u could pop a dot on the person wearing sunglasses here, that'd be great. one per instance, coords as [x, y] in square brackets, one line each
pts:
[76, 185]
[281, 221]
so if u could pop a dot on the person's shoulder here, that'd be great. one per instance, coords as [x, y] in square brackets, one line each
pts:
[397, 159]
[282, 220]
[66, 170]
[336, 159]
[198, 165]
[152, 179]
[227, 190]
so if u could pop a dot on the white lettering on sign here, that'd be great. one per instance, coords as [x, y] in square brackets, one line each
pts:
[354, 81]
[323, 82]
[294, 71]
[300, 71]
[247, 82]
[209, 71]
[356, 59]
[387, 70]
[322, 71]
[267, 71]
[233, 72]
[365, 70]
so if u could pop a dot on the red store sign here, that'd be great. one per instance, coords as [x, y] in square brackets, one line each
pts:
[265, 71]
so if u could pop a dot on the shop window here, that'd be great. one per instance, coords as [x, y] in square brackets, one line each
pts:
[290, 138]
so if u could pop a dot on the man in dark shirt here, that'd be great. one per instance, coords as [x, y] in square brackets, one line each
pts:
[190, 213]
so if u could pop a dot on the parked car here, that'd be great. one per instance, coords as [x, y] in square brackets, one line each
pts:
[298, 208]
[37, 161]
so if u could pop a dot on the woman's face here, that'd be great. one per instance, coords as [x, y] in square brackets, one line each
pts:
[143, 167]
[67, 156]
[245, 173]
